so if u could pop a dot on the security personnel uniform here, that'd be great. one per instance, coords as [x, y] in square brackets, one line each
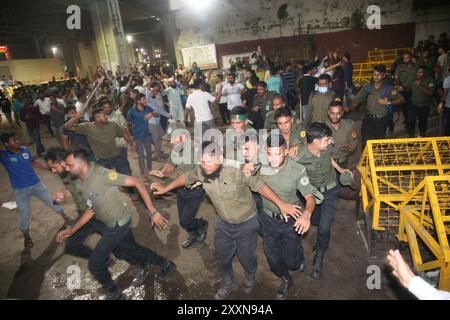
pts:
[406, 76]
[345, 140]
[233, 139]
[188, 199]
[377, 116]
[318, 107]
[100, 190]
[322, 176]
[236, 224]
[420, 106]
[70, 183]
[281, 242]
[270, 122]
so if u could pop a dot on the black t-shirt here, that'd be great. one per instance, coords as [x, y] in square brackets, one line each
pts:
[307, 86]
[249, 96]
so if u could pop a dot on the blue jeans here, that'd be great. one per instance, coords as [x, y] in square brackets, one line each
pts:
[23, 197]
[188, 202]
[305, 110]
[36, 136]
[120, 163]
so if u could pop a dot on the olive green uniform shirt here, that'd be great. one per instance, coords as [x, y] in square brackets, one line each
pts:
[347, 134]
[270, 122]
[265, 103]
[320, 171]
[100, 190]
[318, 107]
[77, 195]
[101, 138]
[406, 76]
[418, 97]
[230, 192]
[372, 95]
[232, 140]
[285, 183]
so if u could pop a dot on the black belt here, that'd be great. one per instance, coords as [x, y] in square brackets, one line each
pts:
[373, 116]
[273, 215]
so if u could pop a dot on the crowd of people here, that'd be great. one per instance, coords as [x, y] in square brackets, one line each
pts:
[275, 183]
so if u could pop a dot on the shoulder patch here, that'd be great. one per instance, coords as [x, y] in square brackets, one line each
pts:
[354, 134]
[303, 133]
[394, 92]
[304, 181]
[431, 84]
[112, 176]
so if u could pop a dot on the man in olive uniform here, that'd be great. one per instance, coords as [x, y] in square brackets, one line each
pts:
[262, 103]
[237, 131]
[344, 132]
[270, 122]
[291, 132]
[321, 170]
[282, 243]
[236, 225]
[405, 74]
[421, 99]
[319, 101]
[181, 161]
[381, 97]
[101, 135]
[107, 213]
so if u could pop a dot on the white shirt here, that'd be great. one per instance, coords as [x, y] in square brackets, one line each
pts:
[424, 291]
[447, 86]
[443, 63]
[233, 94]
[199, 101]
[79, 107]
[223, 99]
[44, 105]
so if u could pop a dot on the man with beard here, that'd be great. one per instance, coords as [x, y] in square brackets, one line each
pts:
[236, 132]
[174, 94]
[236, 225]
[344, 133]
[291, 132]
[107, 213]
[282, 243]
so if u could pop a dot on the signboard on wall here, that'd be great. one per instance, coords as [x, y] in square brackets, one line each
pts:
[204, 55]
[226, 59]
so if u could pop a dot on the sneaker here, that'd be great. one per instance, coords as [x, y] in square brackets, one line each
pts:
[226, 287]
[249, 283]
[141, 275]
[165, 271]
[190, 241]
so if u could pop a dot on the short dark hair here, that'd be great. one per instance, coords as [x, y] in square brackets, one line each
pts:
[231, 75]
[276, 141]
[380, 68]
[347, 55]
[69, 108]
[56, 154]
[325, 76]
[423, 67]
[102, 102]
[210, 146]
[317, 130]
[238, 111]
[5, 137]
[96, 111]
[80, 152]
[139, 97]
[278, 97]
[336, 102]
[282, 112]
[262, 84]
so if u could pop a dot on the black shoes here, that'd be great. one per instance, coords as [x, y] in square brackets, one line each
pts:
[197, 236]
[141, 275]
[226, 287]
[286, 283]
[114, 294]
[169, 267]
[27, 243]
[317, 265]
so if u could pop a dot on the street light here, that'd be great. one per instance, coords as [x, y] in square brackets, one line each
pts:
[129, 38]
[54, 50]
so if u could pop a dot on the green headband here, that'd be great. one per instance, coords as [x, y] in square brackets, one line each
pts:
[241, 117]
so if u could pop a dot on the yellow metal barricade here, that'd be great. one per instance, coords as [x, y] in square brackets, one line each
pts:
[391, 169]
[425, 215]
[386, 54]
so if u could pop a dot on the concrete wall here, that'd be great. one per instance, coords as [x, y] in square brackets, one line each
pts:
[432, 22]
[31, 71]
[240, 25]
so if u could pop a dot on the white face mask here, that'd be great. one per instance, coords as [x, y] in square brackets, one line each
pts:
[322, 89]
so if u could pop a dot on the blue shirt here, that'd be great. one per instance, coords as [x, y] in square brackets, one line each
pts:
[139, 126]
[18, 165]
[274, 84]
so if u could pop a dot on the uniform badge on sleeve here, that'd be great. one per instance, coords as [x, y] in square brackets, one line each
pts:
[354, 134]
[303, 133]
[394, 92]
[431, 84]
[112, 176]
[304, 181]
[26, 156]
